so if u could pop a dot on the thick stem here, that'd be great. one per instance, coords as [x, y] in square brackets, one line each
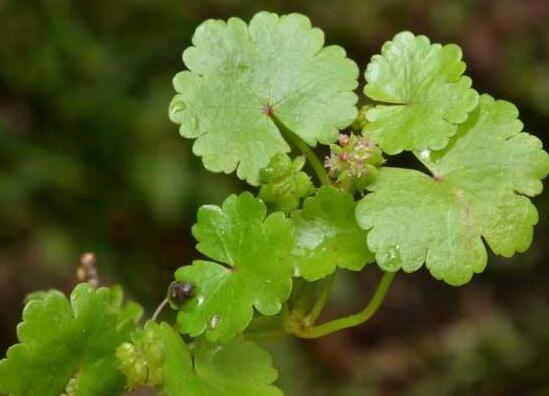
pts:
[313, 160]
[352, 320]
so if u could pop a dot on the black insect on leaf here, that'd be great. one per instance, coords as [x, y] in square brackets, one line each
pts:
[179, 293]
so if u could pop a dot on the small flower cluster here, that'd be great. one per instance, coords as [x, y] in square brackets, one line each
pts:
[141, 361]
[353, 162]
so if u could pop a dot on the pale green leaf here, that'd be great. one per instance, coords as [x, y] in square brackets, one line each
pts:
[422, 94]
[252, 270]
[478, 190]
[241, 76]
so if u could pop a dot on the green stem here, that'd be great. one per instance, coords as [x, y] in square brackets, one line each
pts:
[352, 320]
[321, 301]
[304, 299]
[312, 158]
[159, 309]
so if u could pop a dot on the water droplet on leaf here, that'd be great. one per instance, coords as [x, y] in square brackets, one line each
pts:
[214, 322]
[389, 258]
[177, 107]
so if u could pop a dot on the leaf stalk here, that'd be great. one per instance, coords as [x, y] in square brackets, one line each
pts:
[312, 158]
[332, 326]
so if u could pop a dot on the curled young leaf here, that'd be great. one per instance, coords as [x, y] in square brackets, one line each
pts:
[243, 76]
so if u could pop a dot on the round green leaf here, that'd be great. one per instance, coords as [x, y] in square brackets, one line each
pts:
[69, 344]
[328, 236]
[422, 91]
[478, 189]
[241, 76]
[253, 268]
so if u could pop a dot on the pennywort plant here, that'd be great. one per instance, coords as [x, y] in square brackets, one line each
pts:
[257, 98]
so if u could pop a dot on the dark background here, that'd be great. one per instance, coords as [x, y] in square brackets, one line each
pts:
[89, 161]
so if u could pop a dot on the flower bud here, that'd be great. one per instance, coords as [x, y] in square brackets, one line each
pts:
[284, 183]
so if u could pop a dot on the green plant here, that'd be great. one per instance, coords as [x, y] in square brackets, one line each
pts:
[254, 95]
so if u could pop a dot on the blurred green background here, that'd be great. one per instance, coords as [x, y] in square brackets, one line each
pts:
[90, 162]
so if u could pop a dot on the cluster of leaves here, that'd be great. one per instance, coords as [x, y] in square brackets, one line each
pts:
[251, 94]
[92, 345]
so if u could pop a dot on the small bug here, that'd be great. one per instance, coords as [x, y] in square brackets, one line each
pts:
[180, 292]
